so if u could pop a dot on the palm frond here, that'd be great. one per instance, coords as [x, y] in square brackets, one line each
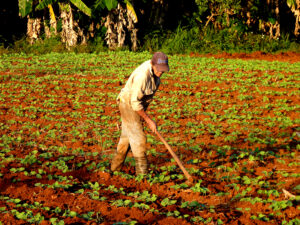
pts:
[82, 7]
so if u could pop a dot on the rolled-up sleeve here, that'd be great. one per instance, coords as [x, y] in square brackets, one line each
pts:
[137, 92]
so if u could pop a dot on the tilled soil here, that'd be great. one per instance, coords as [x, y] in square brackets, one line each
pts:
[221, 192]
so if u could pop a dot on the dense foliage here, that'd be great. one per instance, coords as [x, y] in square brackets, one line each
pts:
[174, 25]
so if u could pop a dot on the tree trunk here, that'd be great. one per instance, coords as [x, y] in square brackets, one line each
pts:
[80, 33]
[158, 13]
[131, 20]
[133, 36]
[33, 29]
[116, 24]
[277, 24]
[111, 34]
[91, 31]
[297, 23]
[272, 29]
[120, 26]
[295, 8]
[68, 35]
[46, 28]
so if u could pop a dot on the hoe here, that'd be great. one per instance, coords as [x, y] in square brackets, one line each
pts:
[187, 175]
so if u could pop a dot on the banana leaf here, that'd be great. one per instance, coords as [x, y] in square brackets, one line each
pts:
[111, 4]
[25, 7]
[43, 4]
[82, 7]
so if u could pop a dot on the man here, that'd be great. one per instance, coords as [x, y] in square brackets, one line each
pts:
[133, 100]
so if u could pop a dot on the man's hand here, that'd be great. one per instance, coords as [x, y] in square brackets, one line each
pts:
[150, 122]
[152, 126]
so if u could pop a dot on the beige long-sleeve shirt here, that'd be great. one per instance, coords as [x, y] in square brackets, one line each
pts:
[140, 87]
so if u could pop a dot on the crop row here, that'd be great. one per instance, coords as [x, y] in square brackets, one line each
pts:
[234, 123]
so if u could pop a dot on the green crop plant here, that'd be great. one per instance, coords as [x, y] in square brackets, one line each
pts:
[112, 188]
[198, 188]
[194, 205]
[88, 216]
[144, 196]
[16, 170]
[141, 206]
[56, 221]
[243, 209]
[61, 124]
[122, 203]
[261, 217]
[94, 186]
[167, 201]
[291, 222]
[28, 216]
[281, 205]
[31, 159]
[198, 219]
[168, 168]
[180, 186]
[268, 193]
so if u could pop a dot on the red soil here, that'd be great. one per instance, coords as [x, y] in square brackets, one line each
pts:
[220, 207]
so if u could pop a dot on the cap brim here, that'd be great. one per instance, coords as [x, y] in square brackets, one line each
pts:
[162, 68]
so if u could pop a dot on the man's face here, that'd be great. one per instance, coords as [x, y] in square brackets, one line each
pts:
[156, 72]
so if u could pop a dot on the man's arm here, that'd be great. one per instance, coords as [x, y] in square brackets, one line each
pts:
[150, 122]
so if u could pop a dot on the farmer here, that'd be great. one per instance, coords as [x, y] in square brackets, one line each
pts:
[133, 101]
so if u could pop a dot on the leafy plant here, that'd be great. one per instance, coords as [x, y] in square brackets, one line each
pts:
[167, 201]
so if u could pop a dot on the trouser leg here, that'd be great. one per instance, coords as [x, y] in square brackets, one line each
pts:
[137, 141]
[141, 165]
[122, 150]
[132, 124]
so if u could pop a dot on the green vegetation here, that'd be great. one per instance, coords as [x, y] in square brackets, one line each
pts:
[198, 26]
[233, 122]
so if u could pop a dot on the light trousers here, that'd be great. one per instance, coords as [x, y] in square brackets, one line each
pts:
[132, 137]
[132, 134]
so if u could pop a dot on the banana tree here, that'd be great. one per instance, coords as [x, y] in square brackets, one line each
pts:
[53, 23]
[33, 24]
[121, 17]
[68, 34]
[272, 25]
[295, 8]
[222, 13]
[25, 7]
[70, 28]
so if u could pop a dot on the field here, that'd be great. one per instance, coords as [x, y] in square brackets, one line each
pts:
[232, 119]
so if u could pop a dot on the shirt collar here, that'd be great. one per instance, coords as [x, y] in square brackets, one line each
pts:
[151, 69]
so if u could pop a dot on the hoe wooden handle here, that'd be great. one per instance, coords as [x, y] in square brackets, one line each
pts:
[187, 175]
